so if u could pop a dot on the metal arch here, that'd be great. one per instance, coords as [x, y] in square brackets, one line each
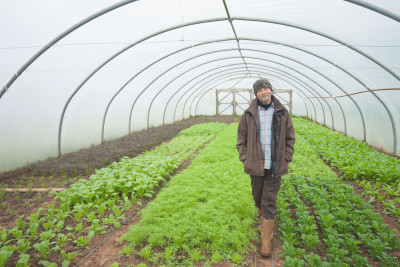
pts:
[166, 105]
[375, 9]
[114, 56]
[352, 48]
[168, 29]
[145, 68]
[289, 25]
[148, 113]
[203, 80]
[251, 39]
[224, 74]
[267, 72]
[323, 35]
[263, 71]
[333, 121]
[217, 77]
[335, 65]
[59, 37]
[184, 61]
[258, 70]
[222, 40]
[276, 63]
[259, 65]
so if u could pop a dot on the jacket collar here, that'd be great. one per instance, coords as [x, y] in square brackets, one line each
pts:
[253, 108]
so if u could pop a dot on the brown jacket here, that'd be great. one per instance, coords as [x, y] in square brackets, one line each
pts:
[282, 145]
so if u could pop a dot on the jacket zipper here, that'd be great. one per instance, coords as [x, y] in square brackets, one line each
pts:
[276, 129]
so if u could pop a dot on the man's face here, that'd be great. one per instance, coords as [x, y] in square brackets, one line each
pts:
[264, 95]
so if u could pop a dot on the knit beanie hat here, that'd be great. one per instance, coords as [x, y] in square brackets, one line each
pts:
[261, 83]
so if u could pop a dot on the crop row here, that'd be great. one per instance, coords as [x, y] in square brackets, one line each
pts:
[355, 159]
[298, 230]
[348, 225]
[206, 213]
[63, 229]
[377, 173]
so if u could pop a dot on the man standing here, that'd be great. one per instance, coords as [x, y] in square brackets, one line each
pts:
[265, 142]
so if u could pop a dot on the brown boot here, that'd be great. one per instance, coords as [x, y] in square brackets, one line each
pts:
[266, 236]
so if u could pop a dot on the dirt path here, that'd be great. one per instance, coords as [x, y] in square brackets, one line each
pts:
[107, 252]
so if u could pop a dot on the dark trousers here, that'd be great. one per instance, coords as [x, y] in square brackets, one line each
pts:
[265, 192]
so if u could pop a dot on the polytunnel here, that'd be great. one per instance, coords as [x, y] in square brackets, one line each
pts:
[75, 74]
[147, 133]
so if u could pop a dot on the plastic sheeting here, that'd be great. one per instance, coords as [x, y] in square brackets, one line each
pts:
[151, 62]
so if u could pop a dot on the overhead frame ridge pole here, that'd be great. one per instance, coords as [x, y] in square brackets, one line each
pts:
[234, 32]
[240, 80]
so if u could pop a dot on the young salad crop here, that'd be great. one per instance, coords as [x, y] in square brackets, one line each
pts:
[65, 227]
[206, 213]
[312, 198]
[377, 173]
[355, 159]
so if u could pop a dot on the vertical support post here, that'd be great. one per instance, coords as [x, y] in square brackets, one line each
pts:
[290, 102]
